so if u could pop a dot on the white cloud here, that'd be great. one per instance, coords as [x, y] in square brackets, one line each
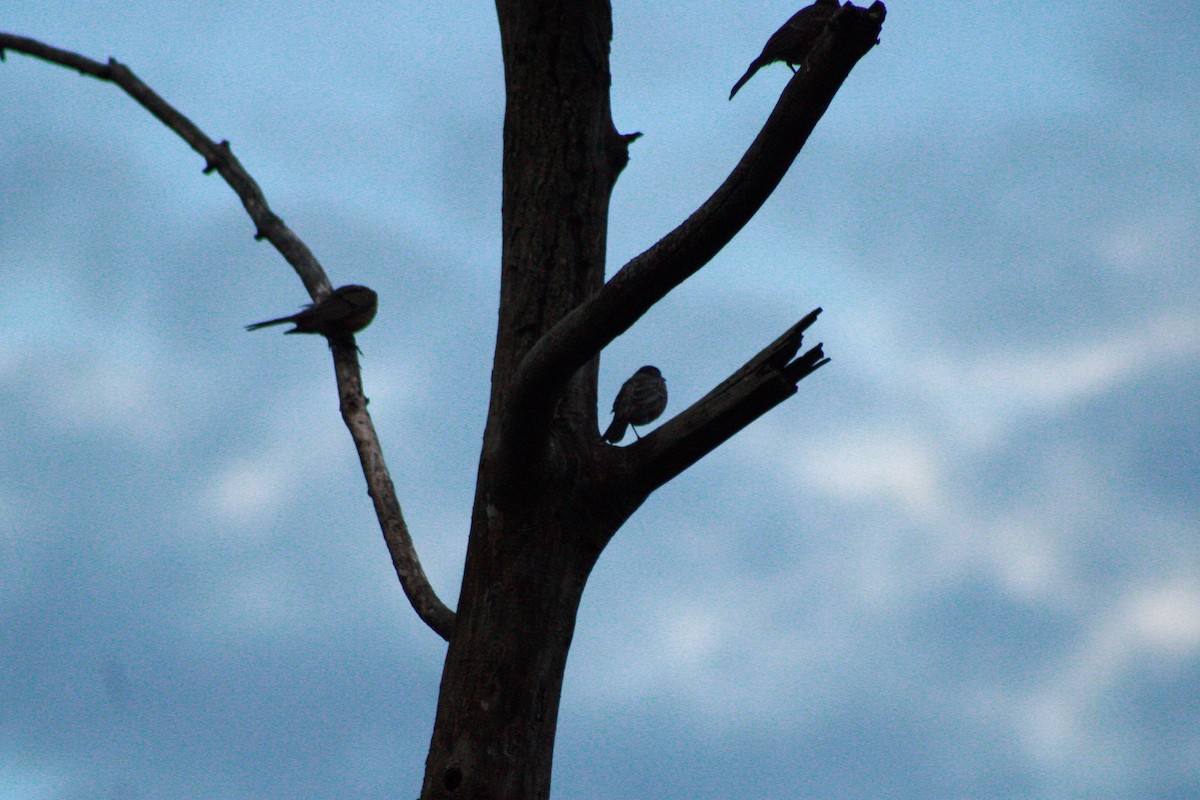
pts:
[291, 451]
[111, 393]
[249, 489]
[1159, 242]
[895, 467]
[1162, 620]
[985, 396]
[1146, 626]
[25, 781]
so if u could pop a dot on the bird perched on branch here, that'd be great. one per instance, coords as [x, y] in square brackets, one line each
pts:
[348, 309]
[791, 43]
[641, 400]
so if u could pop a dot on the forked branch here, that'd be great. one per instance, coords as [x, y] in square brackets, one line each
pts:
[219, 157]
[759, 385]
[649, 277]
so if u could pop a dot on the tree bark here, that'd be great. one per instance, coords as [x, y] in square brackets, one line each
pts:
[529, 555]
[550, 494]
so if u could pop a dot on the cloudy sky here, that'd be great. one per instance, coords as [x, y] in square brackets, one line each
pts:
[963, 562]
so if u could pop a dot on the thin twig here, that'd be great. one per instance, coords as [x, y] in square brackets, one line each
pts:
[218, 157]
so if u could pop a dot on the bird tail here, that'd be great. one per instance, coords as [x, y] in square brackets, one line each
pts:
[616, 431]
[753, 68]
[268, 323]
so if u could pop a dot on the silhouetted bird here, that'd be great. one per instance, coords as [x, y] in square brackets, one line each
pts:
[791, 43]
[348, 309]
[641, 400]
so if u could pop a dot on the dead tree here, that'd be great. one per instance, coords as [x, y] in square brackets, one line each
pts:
[550, 493]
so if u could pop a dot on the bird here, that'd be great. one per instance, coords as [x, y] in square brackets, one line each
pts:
[348, 309]
[791, 43]
[641, 400]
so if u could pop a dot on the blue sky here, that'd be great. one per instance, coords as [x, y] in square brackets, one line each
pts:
[963, 562]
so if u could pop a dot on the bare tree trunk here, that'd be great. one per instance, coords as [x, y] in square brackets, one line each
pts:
[530, 553]
[550, 494]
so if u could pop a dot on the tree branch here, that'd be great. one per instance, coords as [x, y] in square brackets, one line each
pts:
[353, 405]
[217, 156]
[353, 402]
[762, 383]
[649, 277]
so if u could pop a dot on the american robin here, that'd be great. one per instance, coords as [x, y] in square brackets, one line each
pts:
[791, 43]
[348, 309]
[641, 400]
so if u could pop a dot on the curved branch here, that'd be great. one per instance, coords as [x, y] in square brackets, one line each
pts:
[759, 385]
[649, 277]
[217, 156]
[353, 402]
[353, 405]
